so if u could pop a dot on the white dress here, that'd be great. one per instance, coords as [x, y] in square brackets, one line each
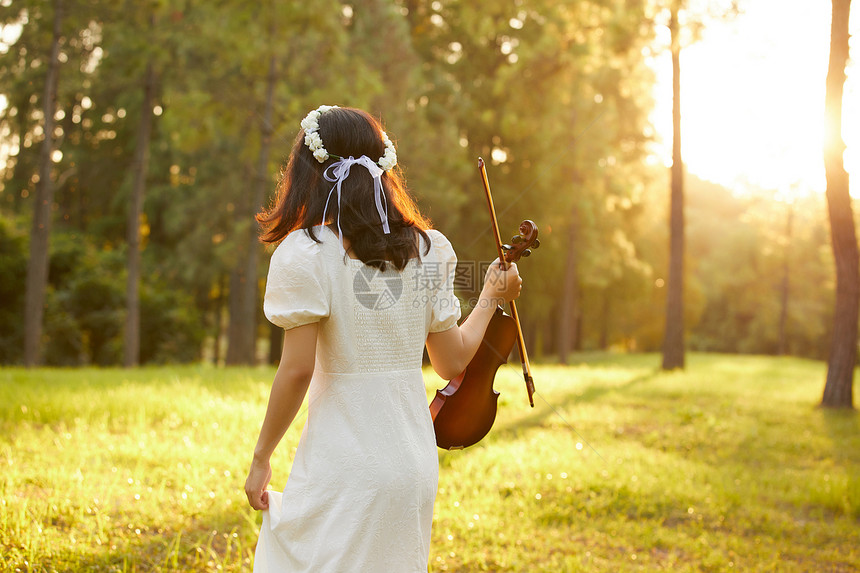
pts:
[361, 489]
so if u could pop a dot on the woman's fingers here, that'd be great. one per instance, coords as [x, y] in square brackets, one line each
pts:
[514, 282]
[503, 283]
[258, 499]
[255, 485]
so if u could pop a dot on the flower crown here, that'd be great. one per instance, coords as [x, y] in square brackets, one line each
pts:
[314, 142]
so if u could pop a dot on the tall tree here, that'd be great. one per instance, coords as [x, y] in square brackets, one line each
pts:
[785, 287]
[37, 266]
[673, 338]
[685, 17]
[241, 348]
[131, 340]
[569, 305]
[838, 390]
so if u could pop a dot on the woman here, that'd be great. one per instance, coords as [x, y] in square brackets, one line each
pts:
[360, 284]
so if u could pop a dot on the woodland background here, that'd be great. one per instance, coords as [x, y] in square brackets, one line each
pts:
[192, 107]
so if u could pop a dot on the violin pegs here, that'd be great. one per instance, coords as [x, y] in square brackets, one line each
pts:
[527, 252]
[517, 239]
[536, 244]
[507, 247]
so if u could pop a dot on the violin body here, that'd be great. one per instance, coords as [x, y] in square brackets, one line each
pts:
[464, 413]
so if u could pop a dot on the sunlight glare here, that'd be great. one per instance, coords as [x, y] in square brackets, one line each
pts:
[752, 100]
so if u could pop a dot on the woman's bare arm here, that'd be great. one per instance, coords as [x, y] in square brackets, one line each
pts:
[451, 350]
[288, 392]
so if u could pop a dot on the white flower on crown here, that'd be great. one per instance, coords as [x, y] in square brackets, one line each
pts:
[389, 158]
[387, 162]
[311, 125]
[311, 122]
[314, 142]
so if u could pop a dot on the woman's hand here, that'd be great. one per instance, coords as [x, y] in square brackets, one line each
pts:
[504, 284]
[255, 485]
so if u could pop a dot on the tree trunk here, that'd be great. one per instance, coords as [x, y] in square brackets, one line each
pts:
[239, 351]
[838, 391]
[786, 284]
[131, 341]
[219, 322]
[569, 311]
[243, 305]
[276, 343]
[604, 319]
[673, 341]
[549, 332]
[21, 171]
[37, 265]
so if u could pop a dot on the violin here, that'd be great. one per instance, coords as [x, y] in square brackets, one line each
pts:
[464, 411]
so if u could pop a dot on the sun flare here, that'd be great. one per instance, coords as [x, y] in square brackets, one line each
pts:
[752, 100]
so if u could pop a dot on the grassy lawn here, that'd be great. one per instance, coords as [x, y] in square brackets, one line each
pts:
[726, 466]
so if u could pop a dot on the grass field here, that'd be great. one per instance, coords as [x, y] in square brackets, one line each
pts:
[619, 467]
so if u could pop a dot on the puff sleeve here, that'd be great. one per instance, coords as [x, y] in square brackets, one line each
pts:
[297, 289]
[445, 306]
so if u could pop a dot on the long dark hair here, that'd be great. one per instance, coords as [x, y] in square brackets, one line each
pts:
[302, 193]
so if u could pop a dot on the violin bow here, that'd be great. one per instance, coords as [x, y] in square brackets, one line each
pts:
[521, 345]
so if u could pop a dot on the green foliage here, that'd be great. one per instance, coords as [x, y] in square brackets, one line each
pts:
[741, 251]
[13, 269]
[619, 467]
[85, 311]
[83, 315]
[170, 327]
[554, 95]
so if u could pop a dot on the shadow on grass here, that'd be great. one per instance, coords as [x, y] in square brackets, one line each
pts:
[843, 428]
[547, 408]
[595, 391]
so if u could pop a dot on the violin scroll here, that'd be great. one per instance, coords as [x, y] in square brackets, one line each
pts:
[521, 245]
